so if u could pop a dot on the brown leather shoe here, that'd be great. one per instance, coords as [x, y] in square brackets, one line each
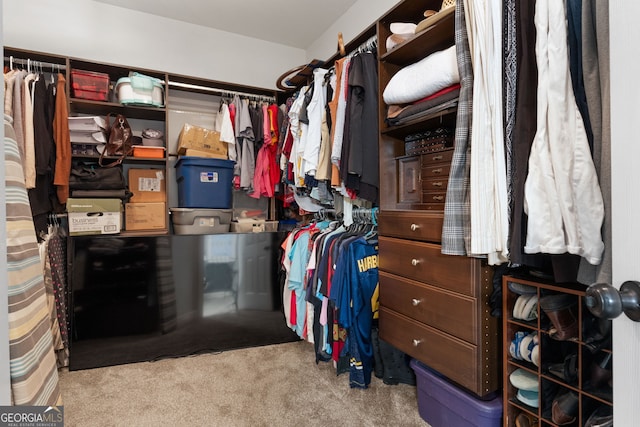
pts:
[525, 420]
[565, 408]
[562, 310]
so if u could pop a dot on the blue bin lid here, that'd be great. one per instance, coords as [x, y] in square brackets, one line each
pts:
[204, 161]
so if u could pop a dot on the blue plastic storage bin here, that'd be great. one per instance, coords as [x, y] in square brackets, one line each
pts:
[204, 182]
[443, 404]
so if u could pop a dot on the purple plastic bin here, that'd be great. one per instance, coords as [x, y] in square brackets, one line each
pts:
[442, 404]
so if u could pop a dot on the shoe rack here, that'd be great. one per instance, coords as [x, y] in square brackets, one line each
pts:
[566, 380]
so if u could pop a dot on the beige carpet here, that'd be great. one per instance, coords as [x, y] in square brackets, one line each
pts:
[275, 385]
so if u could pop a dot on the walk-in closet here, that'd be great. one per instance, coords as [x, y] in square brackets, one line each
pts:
[414, 212]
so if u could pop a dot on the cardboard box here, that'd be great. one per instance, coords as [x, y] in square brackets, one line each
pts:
[94, 216]
[198, 153]
[147, 185]
[201, 139]
[145, 216]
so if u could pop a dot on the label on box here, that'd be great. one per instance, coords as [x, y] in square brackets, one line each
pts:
[94, 222]
[149, 184]
[206, 222]
[208, 176]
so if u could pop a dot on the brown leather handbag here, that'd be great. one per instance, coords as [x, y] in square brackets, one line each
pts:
[119, 142]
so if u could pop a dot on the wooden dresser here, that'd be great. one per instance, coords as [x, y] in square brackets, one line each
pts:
[433, 307]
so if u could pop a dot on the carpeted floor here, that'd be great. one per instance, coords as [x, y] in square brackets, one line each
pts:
[273, 385]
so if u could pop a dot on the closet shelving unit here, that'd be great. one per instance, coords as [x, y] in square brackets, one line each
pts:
[139, 116]
[433, 307]
[551, 351]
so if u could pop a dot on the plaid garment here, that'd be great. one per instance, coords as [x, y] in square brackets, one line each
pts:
[456, 229]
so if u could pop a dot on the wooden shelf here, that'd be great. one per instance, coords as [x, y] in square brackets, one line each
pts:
[423, 44]
[551, 351]
[128, 159]
[102, 108]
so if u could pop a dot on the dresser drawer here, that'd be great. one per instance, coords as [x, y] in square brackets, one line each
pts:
[452, 357]
[436, 170]
[435, 184]
[424, 262]
[423, 226]
[444, 156]
[434, 197]
[452, 313]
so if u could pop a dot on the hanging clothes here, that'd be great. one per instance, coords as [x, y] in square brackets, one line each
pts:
[489, 207]
[62, 141]
[224, 126]
[456, 232]
[361, 153]
[42, 196]
[331, 293]
[315, 108]
[245, 137]
[28, 130]
[57, 262]
[34, 375]
[562, 195]
[524, 128]
[595, 41]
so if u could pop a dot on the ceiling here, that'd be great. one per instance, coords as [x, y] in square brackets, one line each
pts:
[295, 23]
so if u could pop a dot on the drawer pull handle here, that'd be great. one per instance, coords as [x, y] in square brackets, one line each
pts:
[440, 157]
[438, 198]
[414, 227]
[437, 184]
[415, 301]
[416, 342]
[415, 262]
[439, 170]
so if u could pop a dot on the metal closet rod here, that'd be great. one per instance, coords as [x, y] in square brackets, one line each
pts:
[13, 60]
[222, 91]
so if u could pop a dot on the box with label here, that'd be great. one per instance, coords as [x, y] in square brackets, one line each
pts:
[145, 216]
[201, 139]
[147, 185]
[94, 216]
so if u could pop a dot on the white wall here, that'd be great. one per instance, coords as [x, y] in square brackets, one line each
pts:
[105, 33]
[361, 15]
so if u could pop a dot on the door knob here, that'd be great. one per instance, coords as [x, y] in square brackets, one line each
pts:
[603, 300]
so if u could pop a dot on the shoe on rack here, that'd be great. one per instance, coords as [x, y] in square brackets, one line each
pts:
[524, 380]
[526, 420]
[562, 311]
[530, 398]
[567, 370]
[526, 307]
[520, 289]
[601, 417]
[565, 408]
[601, 373]
[527, 345]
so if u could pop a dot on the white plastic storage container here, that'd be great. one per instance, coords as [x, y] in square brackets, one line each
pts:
[138, 89]
[200, 221]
